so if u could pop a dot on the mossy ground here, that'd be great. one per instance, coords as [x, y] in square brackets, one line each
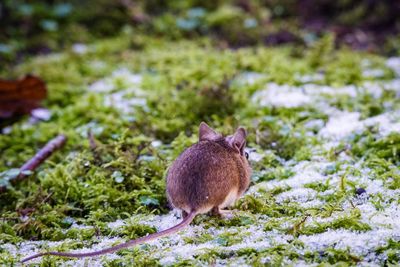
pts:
[328, 131]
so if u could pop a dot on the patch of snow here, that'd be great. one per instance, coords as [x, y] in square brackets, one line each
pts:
[387, 218]
[95, 128]
[101, 86]
[249, 77]
[121, 90]
[373, 88]
[41, 114]
[393, 85]
[28, 248]
[255, 237]
[6, 130]
[314, 203]
[341, 125]
[387, 122]
[116, 225]
[119, 78]
[156, 143]
[80, 48]
[162, 222]
[301, 195]
[394, 64]
[79, 226]
[373, 73]
[281, 96]
[127, 76]
[292, 96]
[308, 78]
[359, 243]
[315, 125]
[255, 156]
[305, 172]
[122, 102]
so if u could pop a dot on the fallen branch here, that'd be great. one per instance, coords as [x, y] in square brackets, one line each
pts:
[38, 159]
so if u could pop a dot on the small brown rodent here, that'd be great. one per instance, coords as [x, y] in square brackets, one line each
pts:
[208, 176]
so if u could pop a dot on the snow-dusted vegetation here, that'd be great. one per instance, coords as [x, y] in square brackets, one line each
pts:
[324, 143]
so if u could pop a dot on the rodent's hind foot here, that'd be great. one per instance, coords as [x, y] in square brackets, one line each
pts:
[224, 214]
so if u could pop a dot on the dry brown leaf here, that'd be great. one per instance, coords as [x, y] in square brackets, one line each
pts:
[20, 97]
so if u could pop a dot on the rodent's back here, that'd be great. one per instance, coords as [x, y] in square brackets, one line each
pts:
[202, 176]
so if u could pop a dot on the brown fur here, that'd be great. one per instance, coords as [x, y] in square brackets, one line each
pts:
[204, 174]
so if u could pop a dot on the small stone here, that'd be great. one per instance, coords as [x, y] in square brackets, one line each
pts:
[360, 191]
[7, 130]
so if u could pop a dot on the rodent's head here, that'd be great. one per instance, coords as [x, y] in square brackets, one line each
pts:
[236, 141]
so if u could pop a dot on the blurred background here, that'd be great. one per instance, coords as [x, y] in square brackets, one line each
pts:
[43, 26]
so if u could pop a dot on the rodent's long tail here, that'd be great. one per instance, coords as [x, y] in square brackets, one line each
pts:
[186, 221]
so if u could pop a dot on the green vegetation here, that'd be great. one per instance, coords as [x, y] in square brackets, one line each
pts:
[44, 26]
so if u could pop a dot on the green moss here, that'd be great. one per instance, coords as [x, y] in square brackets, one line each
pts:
[198, 239]
[228, 239]
[322, 51]
[318, 186]
[273, 224]
[265, 203]
[336, 257]
[138, 256]
[346, 69]
[381, 156]
[364, 103]
[350, 222]
[7, 259]
[280, 137]
[391, 249]
[386, 148]
[134, 230]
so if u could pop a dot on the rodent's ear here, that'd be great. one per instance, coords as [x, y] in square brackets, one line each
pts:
[207, 133]
[238, 140]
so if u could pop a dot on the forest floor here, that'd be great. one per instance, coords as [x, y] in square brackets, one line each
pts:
[324, 144]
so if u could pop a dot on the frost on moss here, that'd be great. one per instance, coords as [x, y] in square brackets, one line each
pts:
[323, 142]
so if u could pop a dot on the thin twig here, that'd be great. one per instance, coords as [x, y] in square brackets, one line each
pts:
[46, 198]
[92, 141]
[95, 147]
[294, 230]
[39, 158]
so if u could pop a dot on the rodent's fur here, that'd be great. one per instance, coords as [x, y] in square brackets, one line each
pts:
[209, 172]
[208, 176]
